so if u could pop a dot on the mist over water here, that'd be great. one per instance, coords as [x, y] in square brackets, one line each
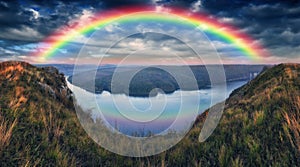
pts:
[164, 106]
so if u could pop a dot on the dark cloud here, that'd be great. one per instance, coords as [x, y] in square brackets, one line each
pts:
[276, 23]
[121, 3]
[175, 3]
[44, 17]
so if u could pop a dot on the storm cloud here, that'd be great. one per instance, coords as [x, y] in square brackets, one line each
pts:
[24, 23]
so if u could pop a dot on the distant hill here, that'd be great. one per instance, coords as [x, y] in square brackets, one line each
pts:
[260, 125]
[148, 78]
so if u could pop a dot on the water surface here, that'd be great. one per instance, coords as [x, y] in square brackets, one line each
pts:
[131, 115]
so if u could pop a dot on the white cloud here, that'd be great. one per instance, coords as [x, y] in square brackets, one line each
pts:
[286, 52]
[86, 14]
[197, 6]
[99, 55]
[228, 20]
[112, 27]
[222, 45]
[35, 14]
[289, 36]
[136, 44]
[23, 57]
[24, 33]
[6, 51]
[4, 4]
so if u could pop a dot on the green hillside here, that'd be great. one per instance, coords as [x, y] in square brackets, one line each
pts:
[38, 123]
[260, 125]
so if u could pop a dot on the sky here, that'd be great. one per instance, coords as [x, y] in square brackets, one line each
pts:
[25, 24]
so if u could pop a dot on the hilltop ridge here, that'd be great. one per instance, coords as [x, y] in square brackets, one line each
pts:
[38, 123]
[260, 124]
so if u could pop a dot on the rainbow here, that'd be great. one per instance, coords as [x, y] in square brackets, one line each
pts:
[206, 23]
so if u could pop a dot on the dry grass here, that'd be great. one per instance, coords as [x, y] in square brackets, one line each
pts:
[6, 129]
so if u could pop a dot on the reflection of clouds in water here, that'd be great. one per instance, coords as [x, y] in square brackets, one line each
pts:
[113, 117]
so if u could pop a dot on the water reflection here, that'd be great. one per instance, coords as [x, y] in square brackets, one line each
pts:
[153, 114]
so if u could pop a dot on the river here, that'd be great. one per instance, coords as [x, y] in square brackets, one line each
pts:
[154, 114]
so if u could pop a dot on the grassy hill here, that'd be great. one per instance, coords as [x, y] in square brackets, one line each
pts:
[260, 125]
[38, 123]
